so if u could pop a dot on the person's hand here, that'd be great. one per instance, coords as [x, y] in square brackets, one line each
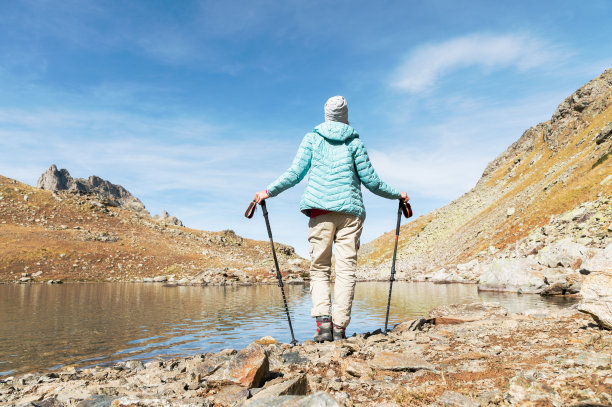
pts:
[260, 196]
[405, 198]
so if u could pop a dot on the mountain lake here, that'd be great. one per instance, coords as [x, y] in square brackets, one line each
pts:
[47, 327]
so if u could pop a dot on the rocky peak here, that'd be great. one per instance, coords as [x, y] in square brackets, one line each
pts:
[54, 179]
[60, 180]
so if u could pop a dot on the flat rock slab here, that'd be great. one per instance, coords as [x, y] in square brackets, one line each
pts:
[50, 402]
[413, 325]
[356, 367]
[98, 400]
[320, 399]
[454, 399]
[293, 357]
[208, 364]
[399, 362]
[292, 387]
[461, 313]
[231, 395]
[595, 359]
[149, 402]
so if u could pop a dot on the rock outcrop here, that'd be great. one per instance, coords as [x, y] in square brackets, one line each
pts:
[168, 219]
[114, 195]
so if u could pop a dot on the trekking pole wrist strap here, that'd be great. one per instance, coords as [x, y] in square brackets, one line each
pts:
[406, 209]
[250, 210]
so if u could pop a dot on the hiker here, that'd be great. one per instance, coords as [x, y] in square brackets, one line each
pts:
[338, 163]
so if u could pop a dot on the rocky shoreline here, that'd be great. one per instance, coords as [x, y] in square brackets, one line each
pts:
[461, 355]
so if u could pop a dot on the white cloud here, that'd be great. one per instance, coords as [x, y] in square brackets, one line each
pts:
[439, 174]
[427, 64]
[147, 155]
[444, 159]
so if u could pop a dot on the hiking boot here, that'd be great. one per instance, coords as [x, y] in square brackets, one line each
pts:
[339, 333]
[324, 329]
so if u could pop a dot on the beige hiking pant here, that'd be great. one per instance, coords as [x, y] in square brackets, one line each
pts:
[344, 231]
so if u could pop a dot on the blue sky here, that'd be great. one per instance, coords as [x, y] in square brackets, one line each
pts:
[195, 105]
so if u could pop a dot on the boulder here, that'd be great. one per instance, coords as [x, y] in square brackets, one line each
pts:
[206, 364]
[597, 297]
[266, 340]
[562, 284]
[599, 260]
[247, 368]
[470, 265]
[521, 274]
[444, 276]
[564, 253]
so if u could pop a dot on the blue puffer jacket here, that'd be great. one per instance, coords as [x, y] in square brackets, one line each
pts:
[338, 164]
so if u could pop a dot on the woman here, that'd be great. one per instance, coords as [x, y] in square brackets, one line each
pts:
[338, 163]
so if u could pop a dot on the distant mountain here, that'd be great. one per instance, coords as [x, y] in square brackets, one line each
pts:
[91, 229]
[553, 168]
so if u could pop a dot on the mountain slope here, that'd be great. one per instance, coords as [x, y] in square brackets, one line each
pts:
[552, 168]
[70, 236]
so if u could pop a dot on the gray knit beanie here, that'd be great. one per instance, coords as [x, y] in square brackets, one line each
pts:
[336, 110]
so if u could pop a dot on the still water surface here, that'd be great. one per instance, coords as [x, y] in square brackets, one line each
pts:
[46, 327]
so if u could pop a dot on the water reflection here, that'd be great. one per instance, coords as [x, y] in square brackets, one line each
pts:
[44, 327]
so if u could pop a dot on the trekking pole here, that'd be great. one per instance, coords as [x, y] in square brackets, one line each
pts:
[407, 210]
[249, 214]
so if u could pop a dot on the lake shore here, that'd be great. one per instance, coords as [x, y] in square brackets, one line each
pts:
[463, 355]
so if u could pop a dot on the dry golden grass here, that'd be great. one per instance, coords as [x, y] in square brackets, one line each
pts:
[62, 238]
[530, 190]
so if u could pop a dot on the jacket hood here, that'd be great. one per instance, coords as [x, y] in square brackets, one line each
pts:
[336, 131]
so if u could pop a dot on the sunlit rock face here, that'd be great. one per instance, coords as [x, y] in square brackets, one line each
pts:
[60, 180]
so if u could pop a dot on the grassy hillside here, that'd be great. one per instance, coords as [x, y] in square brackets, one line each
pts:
[553, 167]
[75, 237]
